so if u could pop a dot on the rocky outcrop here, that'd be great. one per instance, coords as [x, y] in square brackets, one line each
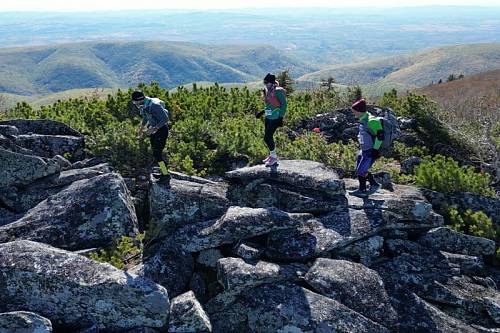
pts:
[282, 249]
[185, 202]
[289, 308]
[89, 213]
[187, 315]
[20, 169]
[354, 285]
[299, 174]
[44, 138]
[170, 267]
[464, 200]
[238, 223]
[446, 239]
[20, 199]
[75, 292]
[236, 274]
[24, 322]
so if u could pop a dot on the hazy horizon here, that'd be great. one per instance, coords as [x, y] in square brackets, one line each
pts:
[189, 5]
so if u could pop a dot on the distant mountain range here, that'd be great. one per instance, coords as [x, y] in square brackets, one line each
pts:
[322, 36]
[48, 69]
[80, 67]
[413, 70]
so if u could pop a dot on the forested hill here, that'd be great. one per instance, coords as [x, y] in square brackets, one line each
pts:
[42, 70]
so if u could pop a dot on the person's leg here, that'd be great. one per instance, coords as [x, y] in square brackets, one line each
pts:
[270, 130]
[374, 185]
[363, 163]
[158, 142]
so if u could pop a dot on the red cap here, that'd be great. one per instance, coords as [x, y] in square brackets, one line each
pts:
[316, 130]
[359, 105]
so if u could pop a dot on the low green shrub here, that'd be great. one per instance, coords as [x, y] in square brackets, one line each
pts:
[443, 174]
[125, 251]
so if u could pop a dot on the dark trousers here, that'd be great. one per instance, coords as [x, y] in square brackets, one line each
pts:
[270, 126]
[363, 163]
[158, 142]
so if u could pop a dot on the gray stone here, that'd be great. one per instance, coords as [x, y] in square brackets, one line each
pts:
[408, 166]
[19, 169]
[465, 200]
[286, 197]
[170, 267]
[8, 130]
[41, 126]
[289, 308]
[63, 162]
[184, 203]
[493, 308]
[354, 285]
[23, 198]
[187, 315]
[449, 240]
[51, 145]
[297, 173]
[89, 213]
[439, 278]
[24, 322]
[238, 223]
[74, 292]
[396, 247]
[248, 251]
[236, 274]
[407, 123]
[366, 250]
[417, 315]
[336, 230]
[208, 258]
[406, 201]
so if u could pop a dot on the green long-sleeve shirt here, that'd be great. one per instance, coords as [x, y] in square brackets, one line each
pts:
[278, 112]
[369, 126]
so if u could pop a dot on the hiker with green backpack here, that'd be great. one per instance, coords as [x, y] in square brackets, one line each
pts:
[275, 109]
[376, 135]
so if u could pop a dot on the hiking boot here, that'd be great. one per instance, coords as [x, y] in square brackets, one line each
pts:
[164, 180]
[360, 193]
[266, 159]
[271, 161]
[374, 186]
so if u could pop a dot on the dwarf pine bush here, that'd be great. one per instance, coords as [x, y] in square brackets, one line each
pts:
[443, 174]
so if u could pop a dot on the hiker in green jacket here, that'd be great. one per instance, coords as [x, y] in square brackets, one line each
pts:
[275, 99]
[370, 137]
[154, 124]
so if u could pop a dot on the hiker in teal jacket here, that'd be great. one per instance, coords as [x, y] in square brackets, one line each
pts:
[155, 125]
[370, 137]
[275, 99]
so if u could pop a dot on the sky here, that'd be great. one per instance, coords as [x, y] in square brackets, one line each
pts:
[96, 5]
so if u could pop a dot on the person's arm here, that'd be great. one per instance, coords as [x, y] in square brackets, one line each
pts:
[375, 127]
[281, 97]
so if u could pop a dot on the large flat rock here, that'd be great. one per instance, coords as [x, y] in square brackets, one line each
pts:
[74, 292]
[336, 230]
[354, 285]
[89, 213]
[304, 174]
[185, 202]
[286, 307]
[20, 169]
[20, 199]
[24, 322]
[236, 224]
